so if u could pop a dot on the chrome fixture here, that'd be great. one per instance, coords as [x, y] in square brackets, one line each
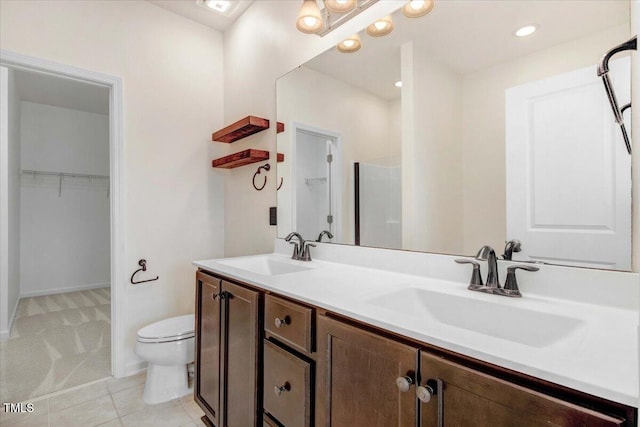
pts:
[324, 233]
[511, 247]
[510, 288]
[487, 253]
[313, 20]
[603, 71]
[511, 285]
[301, 250]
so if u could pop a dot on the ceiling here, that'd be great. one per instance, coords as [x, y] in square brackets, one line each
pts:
[61, 92]
[468, 36]
[190, 10]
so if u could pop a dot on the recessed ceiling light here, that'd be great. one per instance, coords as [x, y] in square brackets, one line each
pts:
[218, 5]
[398, 83]
[527, 30]
[223, 7]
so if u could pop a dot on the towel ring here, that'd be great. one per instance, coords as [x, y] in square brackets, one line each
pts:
[143, 267]
[265, 167]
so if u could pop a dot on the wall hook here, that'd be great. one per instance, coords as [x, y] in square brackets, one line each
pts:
[143, 267]
[266, 167]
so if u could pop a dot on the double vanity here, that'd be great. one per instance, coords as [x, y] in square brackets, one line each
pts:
[376, 337]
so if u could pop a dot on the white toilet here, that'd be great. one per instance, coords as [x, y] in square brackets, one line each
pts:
[168, 346]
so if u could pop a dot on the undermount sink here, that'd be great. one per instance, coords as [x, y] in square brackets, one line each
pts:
[264, 265]
[497, 319]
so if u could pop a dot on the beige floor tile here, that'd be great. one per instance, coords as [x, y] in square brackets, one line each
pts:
[130, 400]
[40, 414]
[168, 416]
[113, 423]
[117, 384]
[192, 409]
[80, 395]
[86, 414]
[26, 420]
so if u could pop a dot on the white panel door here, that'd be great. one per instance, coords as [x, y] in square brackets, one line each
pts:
[568, 172]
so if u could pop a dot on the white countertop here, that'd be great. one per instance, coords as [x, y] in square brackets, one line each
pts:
[599, 358]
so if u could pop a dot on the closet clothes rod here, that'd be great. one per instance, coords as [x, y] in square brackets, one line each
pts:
[61, 175]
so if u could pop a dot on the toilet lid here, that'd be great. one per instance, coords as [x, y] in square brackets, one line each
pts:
[172, 329]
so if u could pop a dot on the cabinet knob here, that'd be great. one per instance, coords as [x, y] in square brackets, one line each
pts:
[219, 296]
[278, 390]
[404, 383]
[282, 322]
[427, 391]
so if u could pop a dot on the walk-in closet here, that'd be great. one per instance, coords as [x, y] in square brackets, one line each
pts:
[54, 187]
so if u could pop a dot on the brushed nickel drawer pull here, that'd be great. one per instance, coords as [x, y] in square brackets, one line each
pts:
[282, 322]
[280, 389]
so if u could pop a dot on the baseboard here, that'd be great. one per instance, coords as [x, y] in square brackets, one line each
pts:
[4, 335]
[63, 290]
[135, 367]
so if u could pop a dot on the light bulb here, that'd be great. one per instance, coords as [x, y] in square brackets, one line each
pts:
[310, 21]
[417, 8]
[527, 30]
[381, 27]
[350, 45]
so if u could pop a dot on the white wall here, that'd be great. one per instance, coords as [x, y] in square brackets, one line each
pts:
[9, 200]
[172, 75]
[364, 122]
[64, 237]
[484, 127]
[255, 55]
[431, 151]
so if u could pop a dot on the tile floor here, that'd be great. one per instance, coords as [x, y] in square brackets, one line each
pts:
[107, 403]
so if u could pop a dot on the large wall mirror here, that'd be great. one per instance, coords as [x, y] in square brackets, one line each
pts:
[490, 138]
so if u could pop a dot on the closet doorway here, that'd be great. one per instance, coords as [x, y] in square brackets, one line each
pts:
[57, 230]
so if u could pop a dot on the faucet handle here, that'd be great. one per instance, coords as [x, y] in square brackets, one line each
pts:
[476, 277]
[306, 254]
[511, 285]
[296, 250]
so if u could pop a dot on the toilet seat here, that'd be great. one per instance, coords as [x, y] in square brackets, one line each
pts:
[167, 330]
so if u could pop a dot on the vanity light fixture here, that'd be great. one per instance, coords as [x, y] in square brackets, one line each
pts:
[417, 8]
[527, 30]
[381, 27]
[350, 45]
[322, 17]
[339, 6]
[310, 18]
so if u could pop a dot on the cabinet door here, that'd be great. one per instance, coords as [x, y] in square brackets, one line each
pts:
[208, 317]
[465, 397]
[357, 373]
[241, 350]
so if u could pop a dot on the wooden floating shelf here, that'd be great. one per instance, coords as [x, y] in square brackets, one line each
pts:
[241, 129]
[241, 158]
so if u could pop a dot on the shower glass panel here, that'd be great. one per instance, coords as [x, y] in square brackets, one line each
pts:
[379, 202]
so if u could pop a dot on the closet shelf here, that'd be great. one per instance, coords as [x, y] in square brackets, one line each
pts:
[241, 129]
[241, 158]
[63, 174]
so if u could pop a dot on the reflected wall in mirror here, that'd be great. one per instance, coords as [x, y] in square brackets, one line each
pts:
[491, 137]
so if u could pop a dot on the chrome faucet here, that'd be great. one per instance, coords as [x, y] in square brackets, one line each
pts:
[493, 284]
[301, 249]
[324, 233]
[487, 253]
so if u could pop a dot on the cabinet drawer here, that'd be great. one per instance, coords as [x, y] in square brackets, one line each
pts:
[290, 322]
[287, 386]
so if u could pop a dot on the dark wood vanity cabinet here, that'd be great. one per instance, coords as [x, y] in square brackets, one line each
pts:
[465, 397]
[228, 341]
[295, 365]
[357, 374]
